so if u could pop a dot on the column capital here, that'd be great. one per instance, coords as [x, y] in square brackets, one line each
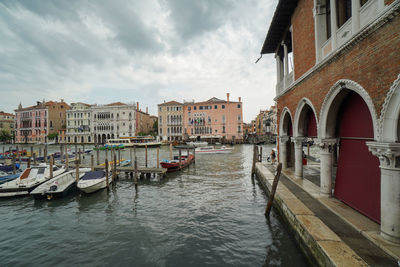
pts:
[388, 154]
[298, 140]
[284, 138]
[327, 143]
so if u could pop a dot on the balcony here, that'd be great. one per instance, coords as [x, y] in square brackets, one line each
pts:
[285, 83]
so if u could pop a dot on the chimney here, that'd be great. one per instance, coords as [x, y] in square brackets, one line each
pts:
[227, 97]
[147, 110]
[38, 103]
[137, 106]
[240, 99]
[62, 100]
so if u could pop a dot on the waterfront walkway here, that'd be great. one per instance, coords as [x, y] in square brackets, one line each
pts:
[331, 231]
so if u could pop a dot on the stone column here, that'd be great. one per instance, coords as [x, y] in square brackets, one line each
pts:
[333, 24]
[278, 68]
[298, 156]
[283, 150]
[355, 16]
[326, 157]
[389, 158]
[286, 67]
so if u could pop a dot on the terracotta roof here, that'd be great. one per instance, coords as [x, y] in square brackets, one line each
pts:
[170, 103]
[88, 105]
[116, 104]
[6, 114]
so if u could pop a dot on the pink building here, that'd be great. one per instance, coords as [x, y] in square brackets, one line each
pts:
[213, 119]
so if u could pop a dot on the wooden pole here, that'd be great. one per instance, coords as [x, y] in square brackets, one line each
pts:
[135, 168]
[45, 153]
[254, 160]
[131, 158]
[66, 158]
[308, 150]
[77, 171]
[106, 166]
[194, 155]
[13, 163]
[114, 168]
[180, 159]
[61, 152]
[80, 155]
[51, 166]
[97, 156]
[119, 155]
[260, 153]
[145, 151]
[106, 154]
[34, 158]
[31, 155]
[92, 162]
[170, 151]
[158, 157]
[273, 189]
[29, 163]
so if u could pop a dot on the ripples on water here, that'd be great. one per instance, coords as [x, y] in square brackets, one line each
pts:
[210, 214]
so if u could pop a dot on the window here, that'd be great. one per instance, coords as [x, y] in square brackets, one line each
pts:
[238, 105]
[239, 130]
[223, 118]
[223, 129]
[343, 8]
[160, 108]
[189, 108]
[238, 117]
[194, 107]
[167, 108]
[223, 106]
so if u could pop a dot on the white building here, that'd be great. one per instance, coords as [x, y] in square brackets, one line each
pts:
[114, 120]
[78, 123]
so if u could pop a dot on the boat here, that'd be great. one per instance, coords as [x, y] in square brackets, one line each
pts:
[174, 165]
[9, 168]
[93, 181]
[138, 141]
[125, 163]
[59, 186]
[29, 179]
[110, 163]
[9, 177]
[197, 144]
[213, 150]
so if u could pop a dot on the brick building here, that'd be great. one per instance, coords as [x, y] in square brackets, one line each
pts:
[34, 124]
[343, 91]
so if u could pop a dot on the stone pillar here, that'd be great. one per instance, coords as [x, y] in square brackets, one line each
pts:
[283, 150]
[278, 68]
[355, 16]
[389, 158]
[326, 157]
[333, 24]
[286, 69]
[298, 156]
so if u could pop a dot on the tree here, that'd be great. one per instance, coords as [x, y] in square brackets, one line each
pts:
[155, 127]
[52, 135]
[5, 136]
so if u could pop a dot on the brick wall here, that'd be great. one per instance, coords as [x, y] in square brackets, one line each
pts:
[373, 63]
[303, 37]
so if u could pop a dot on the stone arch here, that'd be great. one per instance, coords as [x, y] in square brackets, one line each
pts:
[300, 116]
[284, 122]
[389, 126]
[332, 102]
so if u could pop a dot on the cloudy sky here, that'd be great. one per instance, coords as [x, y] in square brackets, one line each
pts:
[147, 51]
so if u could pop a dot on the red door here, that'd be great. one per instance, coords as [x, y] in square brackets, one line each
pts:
[358, 174]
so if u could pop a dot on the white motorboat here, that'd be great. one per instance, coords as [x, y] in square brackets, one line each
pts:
[93, 181]
[213, 150]
[29, 180]
[59, 186]
[197, 144]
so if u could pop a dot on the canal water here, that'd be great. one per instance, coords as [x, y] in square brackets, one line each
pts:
[209, 214]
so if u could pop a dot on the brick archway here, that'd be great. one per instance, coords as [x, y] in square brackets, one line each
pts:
[303, 119]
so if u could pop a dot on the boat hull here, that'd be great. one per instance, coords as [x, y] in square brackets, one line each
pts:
[175, 166]
[92, 186]
[52, 195]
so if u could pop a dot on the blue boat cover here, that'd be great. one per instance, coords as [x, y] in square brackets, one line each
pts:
[8, 168]
[93, 175]
[10, 177]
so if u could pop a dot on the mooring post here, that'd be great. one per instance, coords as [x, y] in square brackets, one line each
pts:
[114, 169]
[29, 163]
[145, 155]
[158, 157]
[77, 171]
[180, 159]
[130, 154]
[80, 155]
[135, 167]
[106, 154]
[61, 152]
[92, 162]
[34, 158]
[31, 155]
[170, 151]
[260, 154]
[97, 156]
[119, 155]
[13, 164]
[51, 166]
[106, 167]
[194, 155]
[273, 189]
[254, 160]
[66, 159]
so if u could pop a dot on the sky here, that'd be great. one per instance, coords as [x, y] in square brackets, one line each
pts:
[147, 51]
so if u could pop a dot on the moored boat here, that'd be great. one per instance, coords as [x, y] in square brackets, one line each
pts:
[93, 181]
[197, 144]
[175, 165]
[59, 186]
[28, 180]
[213, 150]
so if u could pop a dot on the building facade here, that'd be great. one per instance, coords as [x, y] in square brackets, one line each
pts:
[7, 122]
[114, 120]
[170, 121]
[79, 124]
[343, 91]
[213, 119]
[34, 124]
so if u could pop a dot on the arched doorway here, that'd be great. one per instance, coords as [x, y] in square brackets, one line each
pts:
[286, 148]
[103, 138]
[347, 121]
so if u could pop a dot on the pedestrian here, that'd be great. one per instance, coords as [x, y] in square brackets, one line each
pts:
[273, 156]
